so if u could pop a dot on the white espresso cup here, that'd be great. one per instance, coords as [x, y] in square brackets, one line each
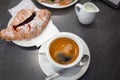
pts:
[86, 13]
[68, 35]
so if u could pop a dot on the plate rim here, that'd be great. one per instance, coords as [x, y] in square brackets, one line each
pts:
[59, 7]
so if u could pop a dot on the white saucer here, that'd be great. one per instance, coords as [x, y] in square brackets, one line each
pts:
[49, 32]
[72, 74]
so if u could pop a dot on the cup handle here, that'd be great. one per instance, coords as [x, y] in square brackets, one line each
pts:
[78, 7]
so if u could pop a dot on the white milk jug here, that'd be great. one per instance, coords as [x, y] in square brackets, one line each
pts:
[86, 13]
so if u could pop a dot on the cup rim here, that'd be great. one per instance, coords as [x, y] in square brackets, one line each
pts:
[67, 35]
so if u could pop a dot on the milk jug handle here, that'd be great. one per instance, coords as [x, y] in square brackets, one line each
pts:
[78, 7]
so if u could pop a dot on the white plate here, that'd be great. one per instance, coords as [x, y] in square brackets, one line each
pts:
[49, 31]
[56, 6]
[71, 74]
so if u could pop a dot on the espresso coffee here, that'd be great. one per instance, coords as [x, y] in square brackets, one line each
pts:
[64, 50]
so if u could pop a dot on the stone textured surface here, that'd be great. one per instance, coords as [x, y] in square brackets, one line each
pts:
[102, 38]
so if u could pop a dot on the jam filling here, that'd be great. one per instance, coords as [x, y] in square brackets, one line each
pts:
[26, 21]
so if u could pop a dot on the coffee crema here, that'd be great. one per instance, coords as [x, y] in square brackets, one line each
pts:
[64, 50]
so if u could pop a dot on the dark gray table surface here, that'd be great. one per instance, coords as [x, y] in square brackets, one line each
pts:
[102, 38]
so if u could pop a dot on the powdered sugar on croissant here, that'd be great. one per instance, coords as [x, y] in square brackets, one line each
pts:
[27, 24]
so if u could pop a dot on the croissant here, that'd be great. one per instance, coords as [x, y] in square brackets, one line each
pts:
[27, 24]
